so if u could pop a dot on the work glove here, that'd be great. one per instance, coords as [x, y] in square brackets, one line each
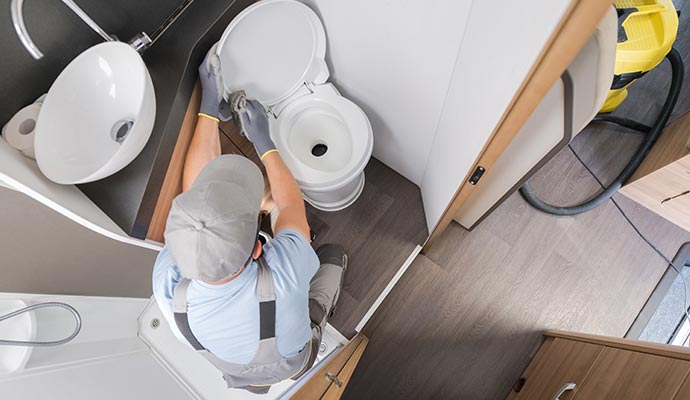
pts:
[253, 122]
[211, 85]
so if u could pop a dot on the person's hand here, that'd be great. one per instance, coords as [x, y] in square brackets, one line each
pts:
[211, 84]
[254, 125]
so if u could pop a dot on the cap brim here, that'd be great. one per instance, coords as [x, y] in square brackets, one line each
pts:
[233, 168]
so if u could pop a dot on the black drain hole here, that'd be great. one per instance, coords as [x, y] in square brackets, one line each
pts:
[121, 130]
[319, 149]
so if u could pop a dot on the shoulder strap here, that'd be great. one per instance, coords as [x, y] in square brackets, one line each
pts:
[180, 312]
[265, 292]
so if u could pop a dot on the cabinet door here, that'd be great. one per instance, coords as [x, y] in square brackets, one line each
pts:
[684, 391]
[330, 380]
[625, 375]
[559, 362]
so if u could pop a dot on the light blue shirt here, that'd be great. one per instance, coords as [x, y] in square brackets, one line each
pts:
[225, 318]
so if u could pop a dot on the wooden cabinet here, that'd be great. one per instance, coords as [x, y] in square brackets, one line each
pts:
[684, 391]
[548, 374]
[625, 374]
[572, 366]
[662, 182]
[329, 382]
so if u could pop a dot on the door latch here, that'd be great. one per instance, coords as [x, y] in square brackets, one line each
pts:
[477, 175]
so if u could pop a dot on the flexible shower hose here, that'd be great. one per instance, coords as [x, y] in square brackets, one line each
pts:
[77, 328]
[650, 138]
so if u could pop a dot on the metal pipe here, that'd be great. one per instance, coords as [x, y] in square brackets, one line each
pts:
[29, 343]
[16, 7]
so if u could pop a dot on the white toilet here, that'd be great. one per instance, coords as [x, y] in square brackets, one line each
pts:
[275, 51]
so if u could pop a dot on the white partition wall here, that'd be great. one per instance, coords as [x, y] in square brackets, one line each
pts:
[44, 251]
[395, 60]
[502, 41]
[23, 175]
[434, 77]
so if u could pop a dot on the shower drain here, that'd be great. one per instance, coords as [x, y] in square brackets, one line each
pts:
[319, 149]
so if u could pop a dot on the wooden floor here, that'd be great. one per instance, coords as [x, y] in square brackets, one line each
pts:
[464, 321]
[379, 231]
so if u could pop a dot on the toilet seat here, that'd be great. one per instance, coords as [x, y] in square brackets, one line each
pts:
[267, 34]
[325, 139]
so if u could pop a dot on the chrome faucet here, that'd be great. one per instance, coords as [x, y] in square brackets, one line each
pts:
[140, 42]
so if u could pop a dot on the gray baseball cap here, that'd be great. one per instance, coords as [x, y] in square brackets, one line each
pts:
[212, 227]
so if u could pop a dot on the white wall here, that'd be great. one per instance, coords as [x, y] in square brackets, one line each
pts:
[395, 60]
[501, 43]
[22, 174]
[434, 77]
[42, 251]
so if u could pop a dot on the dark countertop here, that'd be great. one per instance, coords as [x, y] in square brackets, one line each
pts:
[129, 196]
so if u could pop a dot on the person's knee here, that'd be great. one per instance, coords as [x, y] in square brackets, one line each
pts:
[332, 254]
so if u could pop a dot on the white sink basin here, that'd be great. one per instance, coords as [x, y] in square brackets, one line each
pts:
[21, 327]
[97, 117]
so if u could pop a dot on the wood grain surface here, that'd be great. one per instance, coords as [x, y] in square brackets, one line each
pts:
[622, 375]
[670, 147]
[335, 392]
[172, 185]
[658, 349]
[316, 387]
[684, 390]
[665, 191]
[465, 321]
[562, 362]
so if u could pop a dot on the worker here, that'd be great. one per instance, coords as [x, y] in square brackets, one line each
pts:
[256, 312]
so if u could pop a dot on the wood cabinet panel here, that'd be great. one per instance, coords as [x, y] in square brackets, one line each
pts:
[557, 363]
[335, 391]
[664, 350]
[172, 184]
[317, 386]
[684, 391]
[624, 375]
[661, 182]
[670, 147]
[665, 191]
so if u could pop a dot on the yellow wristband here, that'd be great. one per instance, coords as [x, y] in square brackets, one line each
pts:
[208, 116]
[267, 153]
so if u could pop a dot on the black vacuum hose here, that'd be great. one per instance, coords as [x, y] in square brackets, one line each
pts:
[677, 70]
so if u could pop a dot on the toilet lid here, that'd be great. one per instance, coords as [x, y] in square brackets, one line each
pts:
[271, 48]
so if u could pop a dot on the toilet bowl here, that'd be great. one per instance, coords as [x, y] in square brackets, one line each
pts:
[275, 50]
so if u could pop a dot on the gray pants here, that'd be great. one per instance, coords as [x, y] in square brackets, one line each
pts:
[324, 290]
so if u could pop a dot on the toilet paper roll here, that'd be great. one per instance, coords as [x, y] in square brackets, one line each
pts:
[19, 130]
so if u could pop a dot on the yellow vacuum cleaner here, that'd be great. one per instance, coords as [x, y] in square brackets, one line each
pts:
[646, 32]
